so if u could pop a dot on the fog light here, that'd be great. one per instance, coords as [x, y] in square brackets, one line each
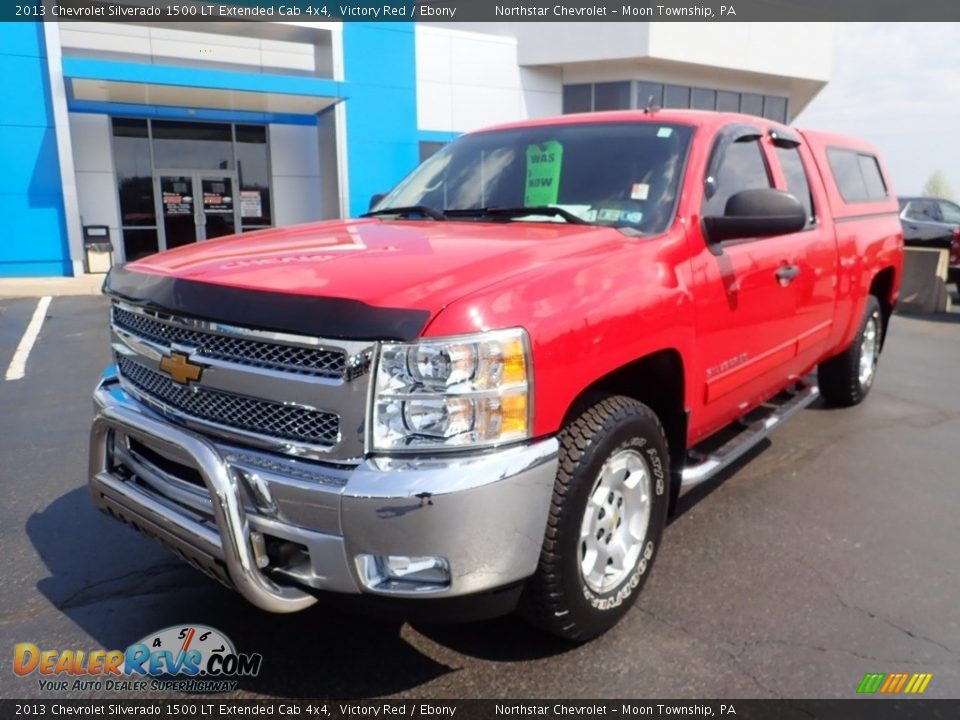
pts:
[259, 545]
[404, 573]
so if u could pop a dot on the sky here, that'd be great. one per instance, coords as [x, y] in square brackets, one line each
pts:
[896, 85]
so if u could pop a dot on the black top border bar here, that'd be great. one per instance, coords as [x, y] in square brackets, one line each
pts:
[324, 317]
[888, 708]
[482, 10]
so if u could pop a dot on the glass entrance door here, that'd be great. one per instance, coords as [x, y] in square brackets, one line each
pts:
[219, 204]
[195, 206]
[177, 203]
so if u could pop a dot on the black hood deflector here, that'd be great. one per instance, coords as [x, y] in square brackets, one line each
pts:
[325, 317]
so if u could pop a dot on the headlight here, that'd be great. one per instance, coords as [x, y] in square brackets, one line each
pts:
[468, 391]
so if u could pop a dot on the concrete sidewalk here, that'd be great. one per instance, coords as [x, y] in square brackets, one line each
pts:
[40, 286]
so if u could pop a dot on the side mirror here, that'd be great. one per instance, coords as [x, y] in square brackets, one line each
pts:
[755, 213]
[375, 200]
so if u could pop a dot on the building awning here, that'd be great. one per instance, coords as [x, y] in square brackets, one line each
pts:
[127, 83]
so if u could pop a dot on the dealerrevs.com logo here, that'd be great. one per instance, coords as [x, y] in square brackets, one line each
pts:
[186, 658]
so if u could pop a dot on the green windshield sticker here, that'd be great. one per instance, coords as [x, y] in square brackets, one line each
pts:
[543, 173]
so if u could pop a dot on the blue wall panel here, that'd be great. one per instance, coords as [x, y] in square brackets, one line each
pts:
[23, 76]
[380, 67]
[34, 238]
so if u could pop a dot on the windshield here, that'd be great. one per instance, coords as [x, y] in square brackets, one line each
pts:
[616, 174]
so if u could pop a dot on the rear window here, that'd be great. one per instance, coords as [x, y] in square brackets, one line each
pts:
[857, 175]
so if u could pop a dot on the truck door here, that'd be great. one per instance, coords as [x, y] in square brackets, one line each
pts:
[813, 249]
[745, 294]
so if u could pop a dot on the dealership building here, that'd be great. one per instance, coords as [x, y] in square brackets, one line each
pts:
[159, 135]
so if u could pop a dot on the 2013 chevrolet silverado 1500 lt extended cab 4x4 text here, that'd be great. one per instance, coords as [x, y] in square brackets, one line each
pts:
[486, 393]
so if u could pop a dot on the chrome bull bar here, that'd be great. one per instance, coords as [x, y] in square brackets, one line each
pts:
[198, 543]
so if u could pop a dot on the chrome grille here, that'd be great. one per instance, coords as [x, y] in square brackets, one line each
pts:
[288, 422]
[319, 362]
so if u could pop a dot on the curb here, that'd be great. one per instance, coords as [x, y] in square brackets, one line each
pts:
[54, 286]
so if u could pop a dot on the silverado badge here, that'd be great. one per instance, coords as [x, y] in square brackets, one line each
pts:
[180, 368]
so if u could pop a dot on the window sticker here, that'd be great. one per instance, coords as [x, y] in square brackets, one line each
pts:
[176, 203]
[584, 212]
[544, 161]
[608, 215]
[664, 132]
[250, 204]
[632, 216]
[639, 191]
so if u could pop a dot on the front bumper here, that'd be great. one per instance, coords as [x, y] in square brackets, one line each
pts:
[278, 530]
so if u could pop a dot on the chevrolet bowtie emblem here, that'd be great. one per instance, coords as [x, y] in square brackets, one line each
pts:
[180, 368]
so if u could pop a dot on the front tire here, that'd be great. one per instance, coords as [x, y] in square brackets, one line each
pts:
[845, 379]
[606, 520]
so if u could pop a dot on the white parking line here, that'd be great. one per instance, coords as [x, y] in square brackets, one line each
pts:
[18, 365]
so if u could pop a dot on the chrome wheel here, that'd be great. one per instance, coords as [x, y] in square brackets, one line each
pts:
[869, 345]
[615, 521]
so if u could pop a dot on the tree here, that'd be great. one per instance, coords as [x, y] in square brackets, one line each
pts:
[938, 187]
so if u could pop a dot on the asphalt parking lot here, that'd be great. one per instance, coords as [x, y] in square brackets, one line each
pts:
[832, 552]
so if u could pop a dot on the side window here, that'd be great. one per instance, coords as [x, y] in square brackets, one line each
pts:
[742, 168]
[923, 211]
[796, 177]
[846, 171]
[876, 187]
[950, 212]
[857, 175]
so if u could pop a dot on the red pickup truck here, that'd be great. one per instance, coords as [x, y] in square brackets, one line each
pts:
[487, 392]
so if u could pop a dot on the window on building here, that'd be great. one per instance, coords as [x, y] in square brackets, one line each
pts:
[611, 96]
[676, 96]
[131, 150]
[775, 108]
[151, 152]
[192, 145]
[131, 157]
[253, 175]
[139, 242]
[577, 98]
[751, 104]
[649, 94]
[742, 168]
[728, 101]
[796, 176]
[587, 97]
[703, 99]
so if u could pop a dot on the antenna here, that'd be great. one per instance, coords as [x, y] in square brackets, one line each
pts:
[651, 106]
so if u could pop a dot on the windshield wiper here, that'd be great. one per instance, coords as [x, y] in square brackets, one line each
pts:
[407, 211]
[516, 212]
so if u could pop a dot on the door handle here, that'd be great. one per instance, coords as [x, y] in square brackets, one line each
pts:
[786, 274]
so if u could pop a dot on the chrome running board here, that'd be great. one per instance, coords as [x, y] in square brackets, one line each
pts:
[750, 430]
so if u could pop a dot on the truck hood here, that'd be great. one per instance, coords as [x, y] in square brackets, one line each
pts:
[415, 264]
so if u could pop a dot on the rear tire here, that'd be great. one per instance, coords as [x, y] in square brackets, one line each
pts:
[606, 520]
[846, 379]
